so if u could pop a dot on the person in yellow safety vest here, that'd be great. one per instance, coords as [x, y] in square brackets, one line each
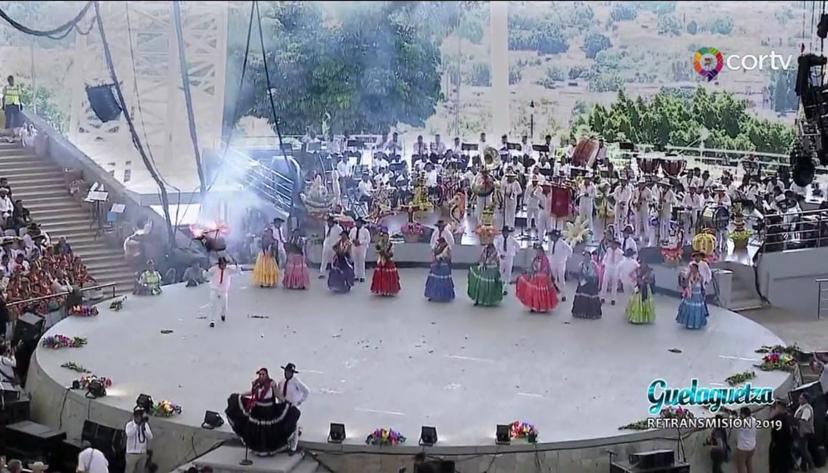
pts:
[11, 104]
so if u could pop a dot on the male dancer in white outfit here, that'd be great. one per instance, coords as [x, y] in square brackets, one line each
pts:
[559, 252]
[511, 191]
[332, 234]
[507, 247]
[293, 392]
[612, 258]
[220, 276]
[360, 237]
[586, 204]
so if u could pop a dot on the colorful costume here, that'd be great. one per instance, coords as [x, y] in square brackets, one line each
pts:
[386, 279]
[536, 290]
[485, 286]
[439, 285]
[692, 312]
[266, 271]
[341, 276]
[264, 425]
[587, 302]
[149, 283]
[641, 306]
[296, 270]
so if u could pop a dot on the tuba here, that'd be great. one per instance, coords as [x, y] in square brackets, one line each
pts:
[491, 158]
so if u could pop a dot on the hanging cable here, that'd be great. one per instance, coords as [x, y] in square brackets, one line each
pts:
[53, 33]
[135, 140]
[811, 35]
[267, 79]
[188, 99]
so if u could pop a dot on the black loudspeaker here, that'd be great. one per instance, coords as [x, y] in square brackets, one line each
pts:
[14, 411]
[435, 466]
[653, 459]
[103, 102]
[28, 327]
[812, 390]
[32, 440]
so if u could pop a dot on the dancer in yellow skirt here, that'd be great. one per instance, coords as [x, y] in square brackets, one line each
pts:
[266, 271]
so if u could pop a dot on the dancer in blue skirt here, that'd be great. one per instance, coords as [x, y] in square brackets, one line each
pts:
[439, 285]
[692, 312]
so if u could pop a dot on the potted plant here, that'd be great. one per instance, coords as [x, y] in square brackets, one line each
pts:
[740, 235]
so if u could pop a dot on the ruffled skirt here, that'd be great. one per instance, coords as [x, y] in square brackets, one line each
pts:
[296, 272]
[266, 271]
[537, 292]
[386, 279]
[639, 310]
[267, 428]
[692, 312]
[485, 287]
[439, 286]
[341, 276]
[587, 303]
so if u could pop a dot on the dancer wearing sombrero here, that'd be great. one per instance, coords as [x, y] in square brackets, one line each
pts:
[485, 286]
[536, 290]
[293, 392]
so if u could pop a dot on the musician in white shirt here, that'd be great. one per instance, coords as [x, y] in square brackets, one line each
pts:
[343, 172]
[365, 189]
[622, 195]
[360, 237]
[570, 150]
[692, 203]
[586, 204]
[332, 232]
[641, 199]
[443, 232]
[511, 191]
[438, 147]
[392, 146]
[481, 145]
[667, 201]
[627, 240]
[559, 252]
[525, 146]
[430, 179]
[626, 271]
[294, 392]
[220, 276]
[336, 187]
[722, 234]
[534, 191]
[457, 148]
[420, 150]
[278, 235]
[507, 247]
[612, 258]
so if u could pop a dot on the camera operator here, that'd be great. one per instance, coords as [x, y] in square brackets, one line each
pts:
[8, 364]
[138, 436]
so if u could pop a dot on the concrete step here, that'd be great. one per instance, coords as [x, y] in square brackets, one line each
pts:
[36, 181]
[307, 465]
[225, 459]
[25, 163]
[57, 206]
[738, 305]
[48, 218]
[34, 191]
[13, 174]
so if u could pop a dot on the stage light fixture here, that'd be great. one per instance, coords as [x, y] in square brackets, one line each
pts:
[95, 389]
[144, 401]
[428, 436]
[822, 26]
[76, 384]
[212, 420]
[103, 102]
[337, 433]
[503, 434]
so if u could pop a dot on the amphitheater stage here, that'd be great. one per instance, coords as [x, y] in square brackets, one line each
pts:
[399, 362]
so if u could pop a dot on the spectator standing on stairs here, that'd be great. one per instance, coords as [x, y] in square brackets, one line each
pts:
[6, 207]
[11, 104]
[21, 217]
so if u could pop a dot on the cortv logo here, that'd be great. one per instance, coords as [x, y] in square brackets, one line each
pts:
[709, 62]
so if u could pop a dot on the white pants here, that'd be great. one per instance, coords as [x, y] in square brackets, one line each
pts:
[509, 212]
[358, 254]
[532, 214]
[543, 224]
[586, 213]
[664, 227]
[135, 463]
[482, 202]
[620, 218]
[641, 224]
[506, 269]
[721, 241]
[327, 257]
[218, 304]
[558, 273]
[610, 281]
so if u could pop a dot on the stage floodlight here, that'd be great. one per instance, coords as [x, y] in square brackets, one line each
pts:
[95, 389]
[337, 433]
[144, 401]
[212, 420]
[822, 26]
[503, 434]
[428, 436]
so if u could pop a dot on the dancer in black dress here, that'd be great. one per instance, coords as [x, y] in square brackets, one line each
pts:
[264, 424]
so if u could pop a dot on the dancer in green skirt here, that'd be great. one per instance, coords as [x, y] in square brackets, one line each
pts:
[641, 307]
[485, 286]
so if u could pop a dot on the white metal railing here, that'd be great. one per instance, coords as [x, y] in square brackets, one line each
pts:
[805, 229]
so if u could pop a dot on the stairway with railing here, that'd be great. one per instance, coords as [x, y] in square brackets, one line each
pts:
[274, 187]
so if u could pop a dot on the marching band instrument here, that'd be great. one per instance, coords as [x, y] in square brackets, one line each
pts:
[716, 217]
[648, 164]
[585, 150]
[673, 166]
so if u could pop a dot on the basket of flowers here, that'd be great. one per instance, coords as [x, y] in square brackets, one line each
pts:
[675, 413]
[71, 365]
[412, 232]
[384, 437]
[740, 234]
[83, 310]
[85, 380]
[524, 430]
[776, 361]
[56, 342]
[165, 409]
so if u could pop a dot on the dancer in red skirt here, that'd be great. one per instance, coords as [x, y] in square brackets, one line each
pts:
[536, 290]
[386, 279]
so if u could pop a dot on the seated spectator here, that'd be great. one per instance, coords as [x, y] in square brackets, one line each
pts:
[5, 267]
[149, 282]
[63, 247]
[4, 184]
[20, 265]
[194, 275]
[21, 217]
[14, 466]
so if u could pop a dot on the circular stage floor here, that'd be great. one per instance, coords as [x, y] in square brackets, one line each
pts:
[404, 362]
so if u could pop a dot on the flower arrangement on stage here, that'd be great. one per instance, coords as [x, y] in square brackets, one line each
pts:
[642, 424]
[165, 409]
[486, 234]
[412, 232]
[666, 413]
[740, 234]
[777, 362]
[62, 341]
[524, 430]
[384, 436]
[71, 365]
[672, 249]
[84, 381]
[792, 350]
[83, 310]
[576, 232]
[740, 378]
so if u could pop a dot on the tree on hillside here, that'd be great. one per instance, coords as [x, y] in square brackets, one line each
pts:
[366, 72]
[623, 12]
[678, 118]
[668, 25]
[692, 27]
[722, 25]
[595, 43]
